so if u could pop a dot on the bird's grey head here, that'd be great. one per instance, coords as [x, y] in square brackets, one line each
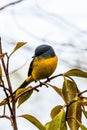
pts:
[44, 51]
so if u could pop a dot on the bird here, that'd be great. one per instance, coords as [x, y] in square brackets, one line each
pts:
[42, 66]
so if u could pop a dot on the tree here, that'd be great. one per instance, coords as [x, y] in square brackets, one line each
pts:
[63, 116]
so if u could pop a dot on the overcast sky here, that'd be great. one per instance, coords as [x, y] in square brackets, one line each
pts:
[60, 23]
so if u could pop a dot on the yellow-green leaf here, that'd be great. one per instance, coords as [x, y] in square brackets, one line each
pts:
[2, 55]
[85, 113]
[47, 126]
[76, 72]
[81, 125]
[19, 44]
[55, 111]
[23, 94]
[0, 75]
[58, 90]
[58, 122]
[84, 101]
[74, 111]
[69, 90]
[34, 121]
[3, 102]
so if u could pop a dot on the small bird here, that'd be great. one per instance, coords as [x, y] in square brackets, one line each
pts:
[42, 66]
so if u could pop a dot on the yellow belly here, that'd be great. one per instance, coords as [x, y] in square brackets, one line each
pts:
[43, 68]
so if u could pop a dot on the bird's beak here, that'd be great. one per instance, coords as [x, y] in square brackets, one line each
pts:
[33, 56]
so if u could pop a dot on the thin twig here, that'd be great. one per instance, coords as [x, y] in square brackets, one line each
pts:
[5, 70]
[37, 86]
[12, 109]
[5, 116]
[7, 98]
[10, 4]
[82, 93]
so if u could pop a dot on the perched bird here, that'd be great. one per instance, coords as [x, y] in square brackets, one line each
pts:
[42, 66]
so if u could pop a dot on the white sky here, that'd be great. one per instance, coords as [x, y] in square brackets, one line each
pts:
[44, 21]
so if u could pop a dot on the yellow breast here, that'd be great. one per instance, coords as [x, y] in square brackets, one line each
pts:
[43, 68]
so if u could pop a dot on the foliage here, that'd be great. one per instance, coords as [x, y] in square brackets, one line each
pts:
[62, 116]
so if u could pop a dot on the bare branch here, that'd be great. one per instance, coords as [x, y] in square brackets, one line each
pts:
[10, 4]
[11, 109]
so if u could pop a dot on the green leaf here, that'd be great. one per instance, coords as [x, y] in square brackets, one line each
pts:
[84, 101]
[34, 121]
[47, 126]
[0, 75]
[81, 125]
[69, 90]
[58, 122]
[85, 112]
[5, 101]
[58, 90]
[0, 71]
[19, 44]
[2, 55]
[55, 111]
[74, 111]
[76, 72]
[23, 94]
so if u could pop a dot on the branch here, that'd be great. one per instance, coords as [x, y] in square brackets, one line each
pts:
[10, 4]
[37, 86]
[12, 109]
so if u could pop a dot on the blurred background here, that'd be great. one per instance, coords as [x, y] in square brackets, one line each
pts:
[59, 23]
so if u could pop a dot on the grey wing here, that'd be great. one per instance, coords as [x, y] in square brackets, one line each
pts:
[30, 68]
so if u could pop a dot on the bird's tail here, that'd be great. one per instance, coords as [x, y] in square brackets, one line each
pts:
[23, 85]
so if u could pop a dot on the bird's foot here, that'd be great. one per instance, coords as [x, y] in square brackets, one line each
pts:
[48, 79]
[40, 83]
